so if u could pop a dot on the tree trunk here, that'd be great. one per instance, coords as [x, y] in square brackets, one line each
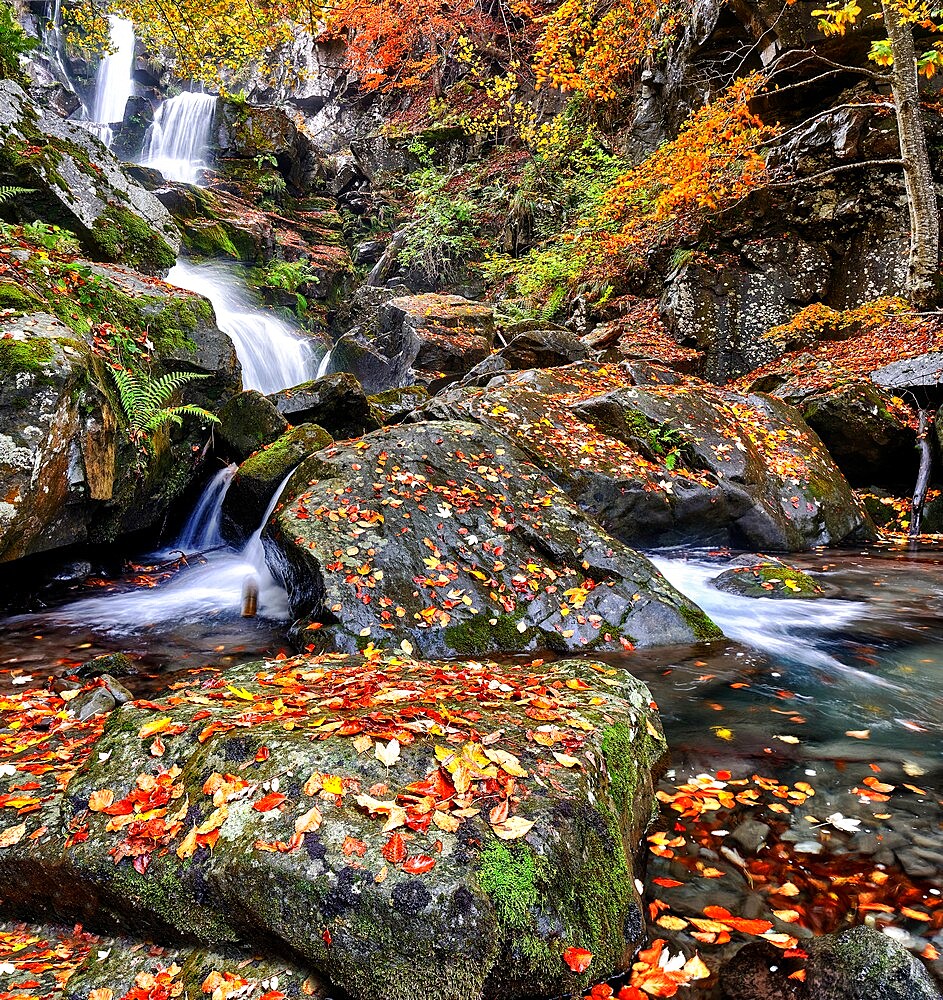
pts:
[923, 476]
[918, 178]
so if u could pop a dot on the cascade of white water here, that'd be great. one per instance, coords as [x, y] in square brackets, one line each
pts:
[203, 530]
[177, 142]
[273, 354]
[114, 85]
[325, 364]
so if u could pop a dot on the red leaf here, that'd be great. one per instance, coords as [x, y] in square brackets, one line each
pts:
[418, 864]
[394, 850]
[352, 845]
[268, 802]
[578, 959]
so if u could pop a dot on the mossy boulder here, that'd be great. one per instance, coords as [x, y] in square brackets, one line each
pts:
[662, 459]
[530, 348]
[79, 185]
[336, 402]
[123, 966]
[770, 578]
[249, 422]
[392, 406]
[413, 830]
[259, 476]
[445, 536]
[857, 964]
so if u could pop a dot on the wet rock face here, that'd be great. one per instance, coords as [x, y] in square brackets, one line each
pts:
[866, 431]
[257, 479]
[67, 467]
[659, 461]
[858, 964]
[335, 402]
[433, 339]
[81, 186]
[445, 535]
[411, 829]
[249, 422]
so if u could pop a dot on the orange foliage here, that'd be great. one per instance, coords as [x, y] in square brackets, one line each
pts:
[712, 164]
[591, 49]
[398, 43]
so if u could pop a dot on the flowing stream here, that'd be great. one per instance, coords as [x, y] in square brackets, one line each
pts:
[114, 85]
[273, 354]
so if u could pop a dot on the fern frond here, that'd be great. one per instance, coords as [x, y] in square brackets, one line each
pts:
[9, 193]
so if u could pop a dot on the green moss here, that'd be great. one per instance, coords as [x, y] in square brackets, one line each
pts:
[15, 298]
[273, 462]
[25, 355]
[125, 238]
[476, 635]
[702, 626]
[209, 240]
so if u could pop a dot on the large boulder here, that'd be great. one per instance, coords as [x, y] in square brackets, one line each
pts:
[530, 348]
[336, 402]
[413, 830]
[78, 184]
[866, 430]
[259, 476]
[249, 422]
[434, 339]
[660, 460]
[68, 469]
[445, 536]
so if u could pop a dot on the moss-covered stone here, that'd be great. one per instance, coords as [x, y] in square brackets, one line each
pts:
[392, 406]
[124, 237]
[258, 827]
[24, 355]
[17, 299]
[769, 579]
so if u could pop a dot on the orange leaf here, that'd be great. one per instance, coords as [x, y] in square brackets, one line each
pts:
[578, 959]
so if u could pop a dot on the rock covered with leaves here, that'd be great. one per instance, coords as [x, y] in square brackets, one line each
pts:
[411, 829]
[444, 537]
[663, 461]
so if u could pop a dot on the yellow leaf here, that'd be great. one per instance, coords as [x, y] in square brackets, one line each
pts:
[187, 847]
[100, 799]
[506, 761]
[565, 759]
[154, 726]
[513, 828]
[241, 693]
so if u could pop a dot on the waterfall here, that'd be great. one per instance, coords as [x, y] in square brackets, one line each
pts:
[114, 85]
[273, 354]
[213, 587]
[178, 141]
[203, 528]
[325, 364]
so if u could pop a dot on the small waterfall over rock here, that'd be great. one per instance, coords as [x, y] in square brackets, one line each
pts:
[177, 142]
[274, 355]
[114, 85]
[203, 528]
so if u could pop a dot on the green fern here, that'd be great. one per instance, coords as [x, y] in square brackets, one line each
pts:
[144, 401]
[9, 193]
